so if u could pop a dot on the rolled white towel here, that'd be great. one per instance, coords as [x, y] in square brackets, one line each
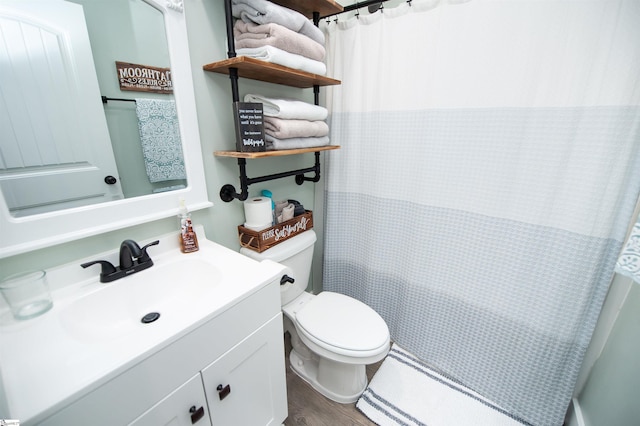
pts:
[290, 109]
[287, 213]
[284, 58]
[284, 129]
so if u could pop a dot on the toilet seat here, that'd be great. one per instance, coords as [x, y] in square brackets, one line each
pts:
[343, 325]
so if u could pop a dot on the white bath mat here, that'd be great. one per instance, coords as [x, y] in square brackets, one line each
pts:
[404, 391]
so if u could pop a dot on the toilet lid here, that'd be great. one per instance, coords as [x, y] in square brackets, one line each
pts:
[343, 322]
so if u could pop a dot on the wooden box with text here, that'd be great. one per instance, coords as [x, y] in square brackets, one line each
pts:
[267, 238]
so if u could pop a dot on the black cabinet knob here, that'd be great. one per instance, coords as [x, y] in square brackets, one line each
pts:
[196, 413]
[110, 180]
[223, 391]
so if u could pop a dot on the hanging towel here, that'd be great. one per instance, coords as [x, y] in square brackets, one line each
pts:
[249, 34]
[290, 109]
[284, 58]
[264, 12]
[628, 263]
[274, 144]
[284, 129]
[160, 138]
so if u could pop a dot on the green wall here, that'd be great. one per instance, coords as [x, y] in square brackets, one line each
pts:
[609, 397]
[207, 43]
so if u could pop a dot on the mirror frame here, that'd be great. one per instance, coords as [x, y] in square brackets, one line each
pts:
[22, 234]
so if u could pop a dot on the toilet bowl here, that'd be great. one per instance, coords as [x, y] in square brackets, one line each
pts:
[333, 336]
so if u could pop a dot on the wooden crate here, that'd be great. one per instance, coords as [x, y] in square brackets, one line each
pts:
[267, 238]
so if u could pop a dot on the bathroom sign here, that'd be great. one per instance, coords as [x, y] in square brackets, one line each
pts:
[144, 78]
[249, 126]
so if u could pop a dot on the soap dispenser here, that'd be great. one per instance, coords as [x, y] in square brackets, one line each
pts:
[188, 238]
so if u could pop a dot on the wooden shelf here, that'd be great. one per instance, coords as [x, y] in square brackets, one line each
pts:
[279, 153]
[307, 7]
[265, 71]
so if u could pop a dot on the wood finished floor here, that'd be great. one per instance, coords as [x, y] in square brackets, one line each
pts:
[308, 408]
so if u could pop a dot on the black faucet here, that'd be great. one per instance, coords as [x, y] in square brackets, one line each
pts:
[132, 259]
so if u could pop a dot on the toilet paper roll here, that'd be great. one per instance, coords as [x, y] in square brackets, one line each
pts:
[257, 227]
[257, 212]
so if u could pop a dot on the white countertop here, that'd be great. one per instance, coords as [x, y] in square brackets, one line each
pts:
[47, 363]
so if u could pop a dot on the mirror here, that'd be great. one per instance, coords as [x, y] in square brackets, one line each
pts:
[134, 198]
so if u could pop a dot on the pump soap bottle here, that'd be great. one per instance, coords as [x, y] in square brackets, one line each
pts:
[188, 238]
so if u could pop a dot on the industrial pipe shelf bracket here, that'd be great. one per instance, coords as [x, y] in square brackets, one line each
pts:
[228, 192]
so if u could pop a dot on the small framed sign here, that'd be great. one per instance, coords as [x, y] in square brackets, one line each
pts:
[249, 126]
[144, 78]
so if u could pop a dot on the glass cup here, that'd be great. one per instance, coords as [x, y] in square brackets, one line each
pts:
[27, 294]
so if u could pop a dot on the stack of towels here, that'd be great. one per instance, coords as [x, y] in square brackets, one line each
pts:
[279, 35]
[292, 124]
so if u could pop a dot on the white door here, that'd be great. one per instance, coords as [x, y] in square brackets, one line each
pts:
[55, 150]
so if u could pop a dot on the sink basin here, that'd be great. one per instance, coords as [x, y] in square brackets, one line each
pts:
[175, 291]
[93, 332]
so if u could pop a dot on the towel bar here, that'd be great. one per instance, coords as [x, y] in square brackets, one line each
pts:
[228, 192]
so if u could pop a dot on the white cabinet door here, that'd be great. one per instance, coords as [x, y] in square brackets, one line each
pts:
[185, 406]
[55, 149]
[247, 385]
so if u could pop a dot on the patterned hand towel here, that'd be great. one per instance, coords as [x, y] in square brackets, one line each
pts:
[160, 138]
[628, 263]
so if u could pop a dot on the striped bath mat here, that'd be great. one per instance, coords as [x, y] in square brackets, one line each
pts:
[404, 391]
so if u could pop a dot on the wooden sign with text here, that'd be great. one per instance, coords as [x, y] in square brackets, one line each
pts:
[144, 78]
[249, 126]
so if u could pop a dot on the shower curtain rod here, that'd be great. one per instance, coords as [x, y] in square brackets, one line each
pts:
[356, 6]
[106, 99]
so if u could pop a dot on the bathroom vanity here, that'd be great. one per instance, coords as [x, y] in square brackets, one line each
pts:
[213, 356]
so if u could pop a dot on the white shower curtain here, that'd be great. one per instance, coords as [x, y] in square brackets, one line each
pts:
[489, 168]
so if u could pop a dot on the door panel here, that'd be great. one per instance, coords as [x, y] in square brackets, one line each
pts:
[50, 140]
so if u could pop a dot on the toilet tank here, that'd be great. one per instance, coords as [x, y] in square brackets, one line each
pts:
[296, 254]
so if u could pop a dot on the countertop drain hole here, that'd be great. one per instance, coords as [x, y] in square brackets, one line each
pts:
[150, 317]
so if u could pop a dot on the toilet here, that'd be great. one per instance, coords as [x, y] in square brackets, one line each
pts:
[333, 336]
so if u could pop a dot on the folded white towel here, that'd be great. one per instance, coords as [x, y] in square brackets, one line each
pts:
[285, 129]
[281, 57]
[264, 12]
[249, 34]
[274, 144]
[290, 109]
